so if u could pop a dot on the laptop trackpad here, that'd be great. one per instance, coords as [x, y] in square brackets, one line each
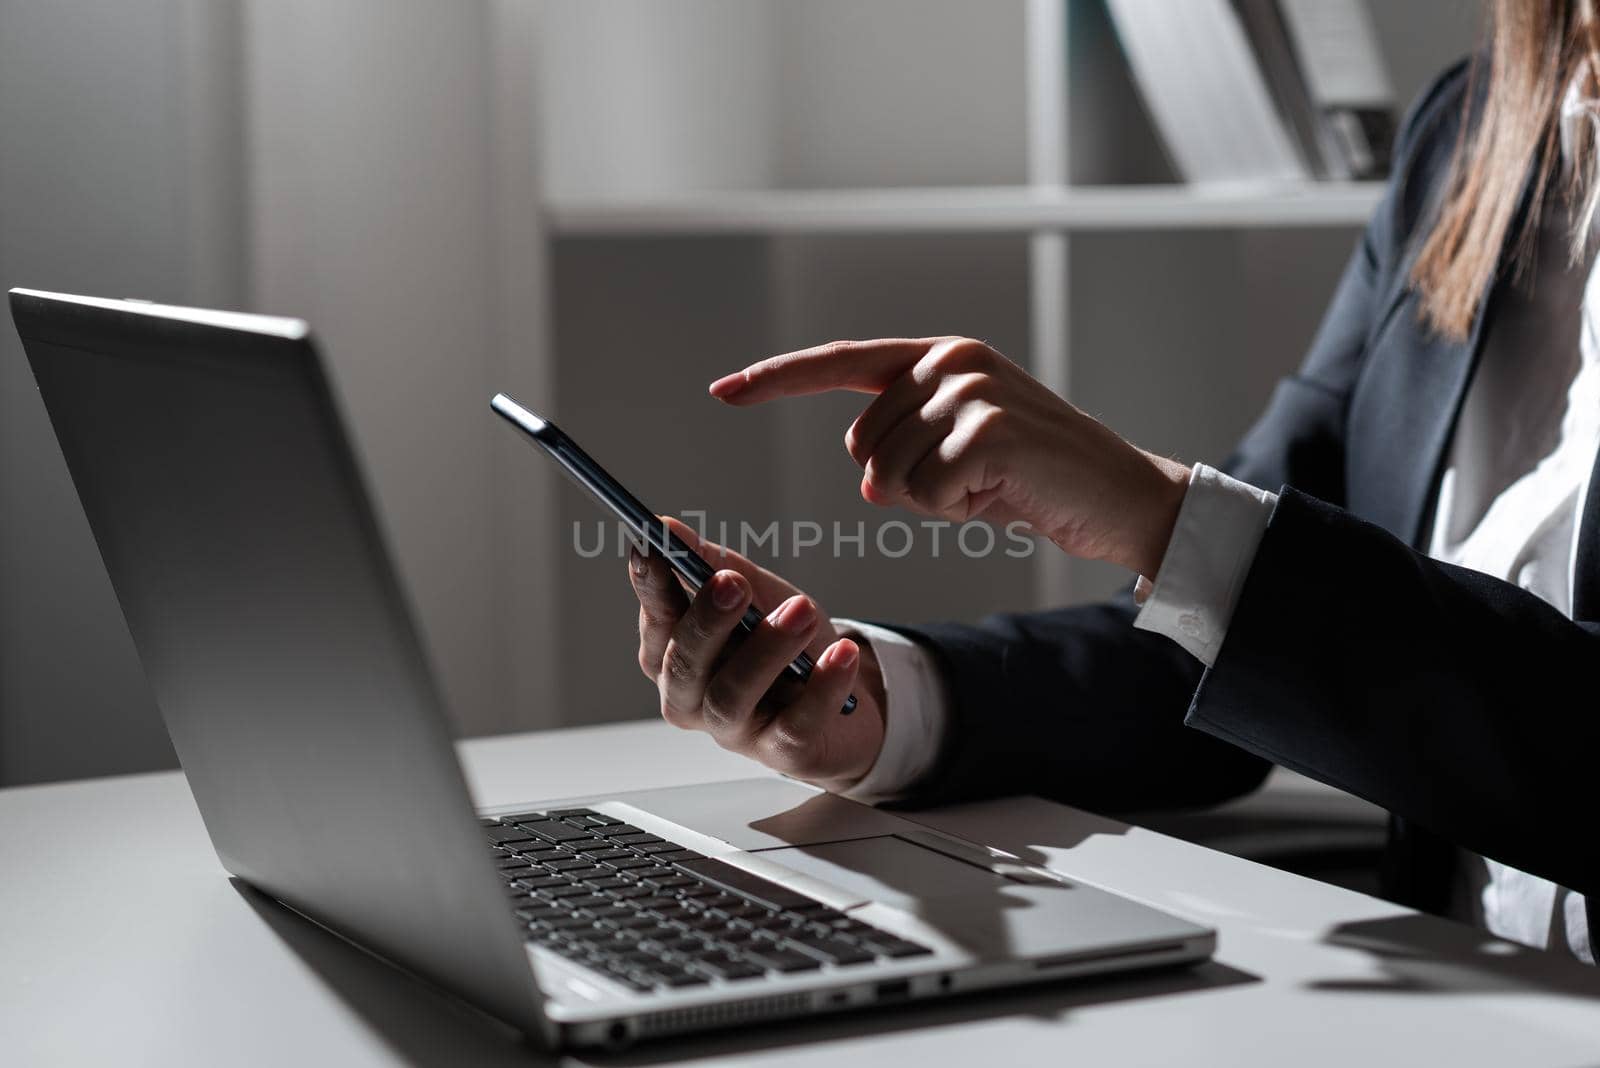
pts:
[990, 915]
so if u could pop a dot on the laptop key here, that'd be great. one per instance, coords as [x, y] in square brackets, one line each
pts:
[609, 854]
[653, 871]
[658, 846]
[631, 982]
[635, 920]
[563, 813]
[890, 946]
[666, 882]
[779, 959]
[727, 965]
[831, 950]
[638, 838]
[673, 855]
[586, 874]
[682, 979]
[686, 945]
[658, 932]
[541, 881]
[497, 835]
[556, 831]
[745, 884]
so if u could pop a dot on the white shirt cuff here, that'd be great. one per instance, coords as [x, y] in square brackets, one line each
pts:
[1213, 545]
[914, 715]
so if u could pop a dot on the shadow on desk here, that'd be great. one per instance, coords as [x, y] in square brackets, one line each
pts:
[419, 1023]
[422, 1025]
[1427, 955]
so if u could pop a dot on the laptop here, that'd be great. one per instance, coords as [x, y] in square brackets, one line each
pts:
[213, 464]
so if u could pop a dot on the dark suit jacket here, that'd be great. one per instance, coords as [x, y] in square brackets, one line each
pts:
[1460, 703]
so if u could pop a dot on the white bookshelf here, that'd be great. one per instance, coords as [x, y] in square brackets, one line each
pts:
[722, 175]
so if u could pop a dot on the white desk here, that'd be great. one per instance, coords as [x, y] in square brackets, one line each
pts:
[121, 942]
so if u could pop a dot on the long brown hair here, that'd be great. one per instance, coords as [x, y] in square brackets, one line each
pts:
[1536, 49]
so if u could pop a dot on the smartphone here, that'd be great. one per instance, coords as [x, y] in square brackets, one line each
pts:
[646, 527]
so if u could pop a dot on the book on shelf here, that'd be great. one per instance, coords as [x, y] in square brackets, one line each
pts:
[1262, 90]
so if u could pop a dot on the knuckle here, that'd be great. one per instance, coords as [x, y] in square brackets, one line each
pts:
[926, 482]
[883, 478]
[646, 664]
[951, 357]
[936, 364]
[652, 616]
[694, 627]
[723, 701]
[987, 427]
[852, 442]
[676, 717]
[803, 755]
[964, 389]
[678, 667]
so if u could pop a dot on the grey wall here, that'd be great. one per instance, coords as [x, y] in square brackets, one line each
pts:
[367, 165]
[103, 189]
[372, 216]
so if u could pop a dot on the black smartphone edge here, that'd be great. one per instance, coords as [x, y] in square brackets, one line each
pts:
[647, 527]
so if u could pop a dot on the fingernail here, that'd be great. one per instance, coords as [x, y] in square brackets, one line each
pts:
[728, 385]
[636, 561]
[725, 591]
[842, 654]
[795, 616]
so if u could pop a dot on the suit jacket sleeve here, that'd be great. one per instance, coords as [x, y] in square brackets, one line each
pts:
[1075, 704]
[1466, 705]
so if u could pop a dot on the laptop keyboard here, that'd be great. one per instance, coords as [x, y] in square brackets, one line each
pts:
[651, 914]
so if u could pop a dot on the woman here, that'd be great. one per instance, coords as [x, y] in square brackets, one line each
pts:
[1392, 589]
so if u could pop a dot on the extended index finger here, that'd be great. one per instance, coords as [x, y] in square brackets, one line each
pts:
[863, 366]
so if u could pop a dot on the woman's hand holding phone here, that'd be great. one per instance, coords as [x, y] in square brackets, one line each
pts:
[737, 691]
[955, 430]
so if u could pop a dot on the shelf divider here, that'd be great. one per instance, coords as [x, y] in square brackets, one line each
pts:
[973, 209]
